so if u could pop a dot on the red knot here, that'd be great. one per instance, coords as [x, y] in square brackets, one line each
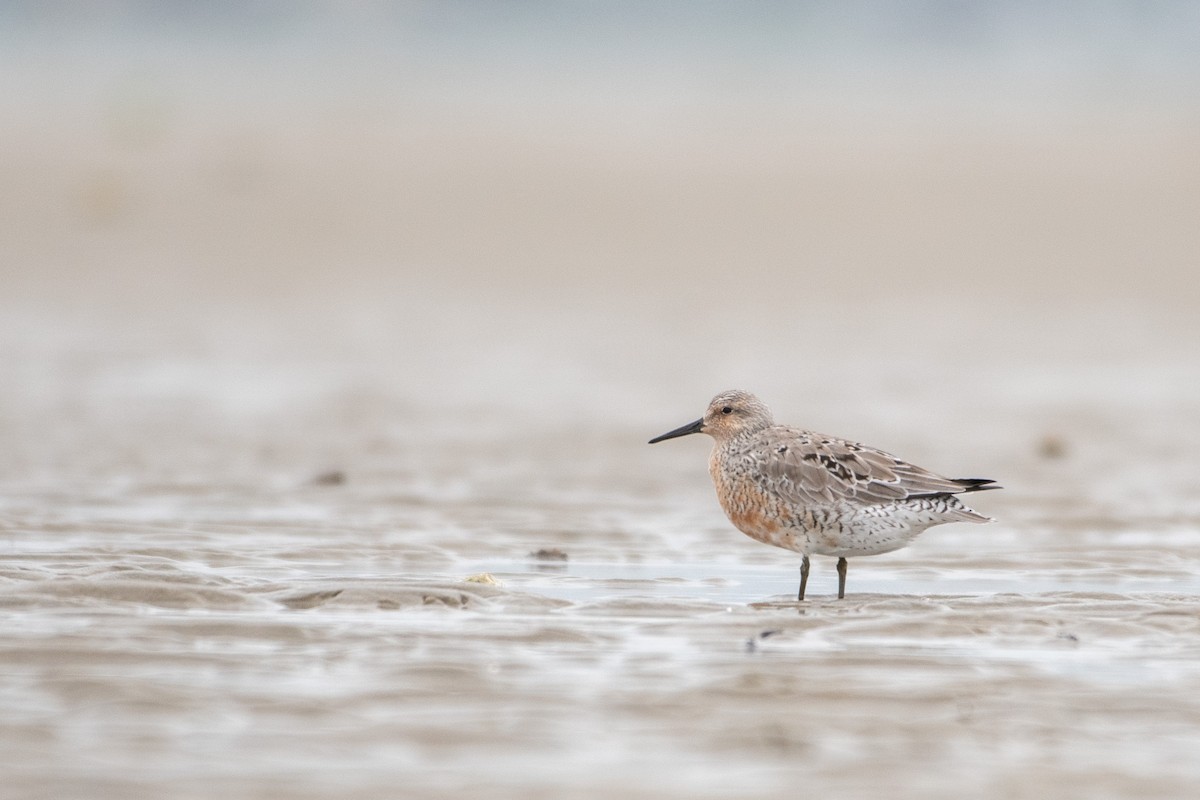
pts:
[817, 494]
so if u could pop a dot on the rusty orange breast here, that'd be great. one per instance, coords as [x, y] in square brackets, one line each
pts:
[753, 521]
[751, 510]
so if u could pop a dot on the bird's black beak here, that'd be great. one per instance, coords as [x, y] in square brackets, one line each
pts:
[691, 427]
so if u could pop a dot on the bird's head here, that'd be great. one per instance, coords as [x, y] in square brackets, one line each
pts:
[730, 414]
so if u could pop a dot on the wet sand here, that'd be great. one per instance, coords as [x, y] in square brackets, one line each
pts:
[278, 383]
[193, 606]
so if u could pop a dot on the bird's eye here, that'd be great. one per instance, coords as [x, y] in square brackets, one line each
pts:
[726, 410]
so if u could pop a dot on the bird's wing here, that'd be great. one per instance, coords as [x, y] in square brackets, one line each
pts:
[812, 469]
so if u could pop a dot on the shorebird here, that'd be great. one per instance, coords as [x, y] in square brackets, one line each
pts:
[816, 494]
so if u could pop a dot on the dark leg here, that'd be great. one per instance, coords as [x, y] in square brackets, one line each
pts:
[803, 577]
[841, 578]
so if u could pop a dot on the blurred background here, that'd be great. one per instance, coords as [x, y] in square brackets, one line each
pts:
[555, 207]
[291, 290]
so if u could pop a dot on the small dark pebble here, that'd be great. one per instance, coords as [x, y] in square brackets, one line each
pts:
[549, 554]
[335, 477]
[752, 642]
[1052, 446]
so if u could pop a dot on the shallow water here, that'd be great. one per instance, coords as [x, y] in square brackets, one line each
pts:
[241, 628]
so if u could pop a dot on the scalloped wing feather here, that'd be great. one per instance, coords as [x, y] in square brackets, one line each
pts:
[813, 469]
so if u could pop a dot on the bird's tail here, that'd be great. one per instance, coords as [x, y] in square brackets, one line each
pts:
[965, 513]
[976, 484]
